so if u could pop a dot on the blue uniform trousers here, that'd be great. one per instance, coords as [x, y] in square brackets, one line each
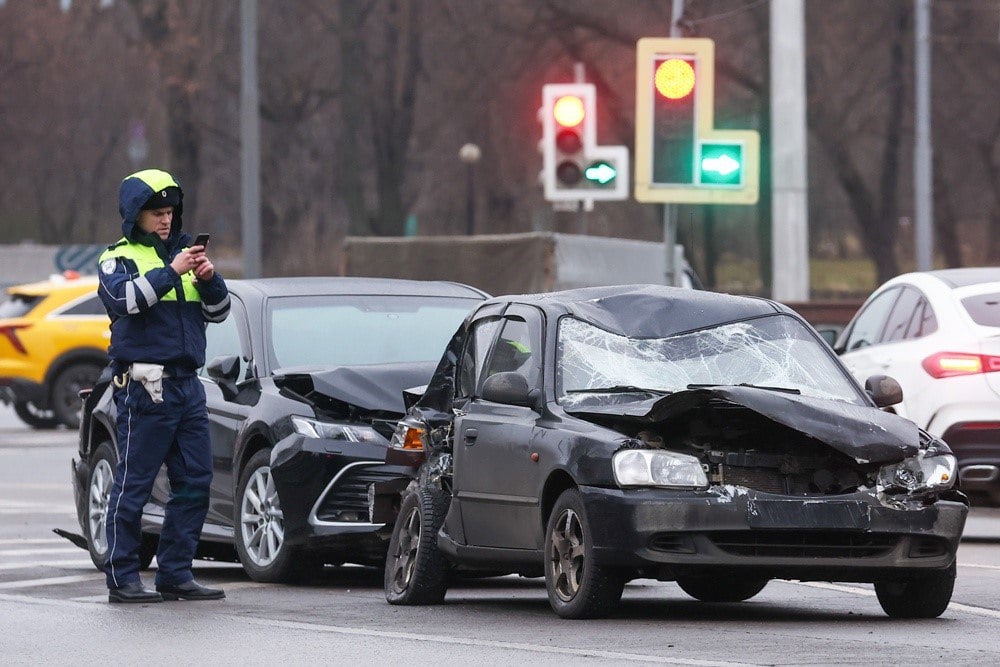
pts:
[150, 434]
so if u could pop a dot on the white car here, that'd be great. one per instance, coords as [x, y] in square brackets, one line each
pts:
[938, 334]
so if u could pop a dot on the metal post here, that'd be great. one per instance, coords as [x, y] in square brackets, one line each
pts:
[789, 192]
[249, 140]
[923, 165]
[470, 202]
[670, 210]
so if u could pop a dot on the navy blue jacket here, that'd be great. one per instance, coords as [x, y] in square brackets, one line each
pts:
[156, 315]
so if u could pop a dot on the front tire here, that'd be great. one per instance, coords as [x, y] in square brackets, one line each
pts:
[416, 572]
[577, 585]
[65, 395]
[926, 596]
[34, 416]
[260, 525]
[99, 484]
[725, 588]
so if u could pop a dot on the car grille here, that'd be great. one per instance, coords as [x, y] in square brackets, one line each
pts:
[347, 499]
[798, 544]
[767, 480]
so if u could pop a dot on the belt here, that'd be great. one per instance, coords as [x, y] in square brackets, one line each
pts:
[169, 370]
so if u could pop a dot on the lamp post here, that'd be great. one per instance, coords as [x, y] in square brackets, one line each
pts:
[470, 154]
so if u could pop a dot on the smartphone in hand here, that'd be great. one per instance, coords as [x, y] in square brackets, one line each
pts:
[201, 239]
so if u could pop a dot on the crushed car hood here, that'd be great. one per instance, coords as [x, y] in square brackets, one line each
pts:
[374, 388]
[866, 434]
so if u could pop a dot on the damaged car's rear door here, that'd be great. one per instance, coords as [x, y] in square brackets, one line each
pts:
[497, 482]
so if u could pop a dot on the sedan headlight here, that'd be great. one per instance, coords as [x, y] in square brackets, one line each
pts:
[649, 467]
[919, 473]
[315, 428]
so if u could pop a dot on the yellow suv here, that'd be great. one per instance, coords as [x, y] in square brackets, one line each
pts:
[54, 339]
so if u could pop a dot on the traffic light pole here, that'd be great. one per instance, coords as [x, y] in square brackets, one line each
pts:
[670, 210]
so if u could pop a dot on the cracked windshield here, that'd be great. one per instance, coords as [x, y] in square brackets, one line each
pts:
[776, 352]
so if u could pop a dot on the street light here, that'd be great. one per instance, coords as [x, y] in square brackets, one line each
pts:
[470, 154]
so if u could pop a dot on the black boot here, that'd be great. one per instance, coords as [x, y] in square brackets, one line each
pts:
[190, 590]
[134, 592]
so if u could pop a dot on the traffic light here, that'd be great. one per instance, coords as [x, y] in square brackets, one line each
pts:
[574, 167]
[679, 155]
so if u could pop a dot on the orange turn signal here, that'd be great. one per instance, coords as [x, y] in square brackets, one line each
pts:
[413, 438]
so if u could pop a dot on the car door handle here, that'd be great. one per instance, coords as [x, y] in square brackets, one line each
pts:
[470, 436]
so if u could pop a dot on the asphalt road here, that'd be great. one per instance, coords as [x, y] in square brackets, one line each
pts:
[53, 607]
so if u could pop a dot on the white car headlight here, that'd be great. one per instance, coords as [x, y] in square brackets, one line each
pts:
[654, 467]
[919, 473]
[314, 428]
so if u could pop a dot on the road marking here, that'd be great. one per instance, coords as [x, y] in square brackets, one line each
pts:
[50, 563]
[461, 641]
[32, 540]
[958, 606]
[53, 510]
[984, 567]
[50, 581]
[68, 549]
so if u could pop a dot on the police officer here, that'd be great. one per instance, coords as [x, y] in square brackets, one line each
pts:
[160, 294]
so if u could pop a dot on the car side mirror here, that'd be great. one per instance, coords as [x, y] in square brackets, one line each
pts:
[225, 370]
[510, 389]
[884, 390]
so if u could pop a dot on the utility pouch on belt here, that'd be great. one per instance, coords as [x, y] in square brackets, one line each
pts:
[151, 377]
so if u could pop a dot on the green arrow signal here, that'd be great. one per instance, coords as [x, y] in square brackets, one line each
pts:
[601, 173]
[722, 165]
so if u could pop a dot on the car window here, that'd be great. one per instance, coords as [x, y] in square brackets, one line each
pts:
[924, 322]
[89, 307]
[227, 337]
[984, 309]
[474, 355]
[515, 351]
[18, 305]
[870, 322]
[904, 311]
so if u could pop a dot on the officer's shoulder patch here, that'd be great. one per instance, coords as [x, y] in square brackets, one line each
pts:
[108, 265]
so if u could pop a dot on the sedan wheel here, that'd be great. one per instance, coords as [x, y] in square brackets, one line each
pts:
[260, 526]
[66, 387]
[416, 572]
[926, 596]
[102, 478]
[34, 416]
[578, 586]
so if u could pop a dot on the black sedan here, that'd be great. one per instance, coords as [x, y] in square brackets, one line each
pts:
[304, 386]
[600, 435]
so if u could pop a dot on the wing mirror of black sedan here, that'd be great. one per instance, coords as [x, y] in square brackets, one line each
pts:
[510, 389]
[884, 390]
[225, 370]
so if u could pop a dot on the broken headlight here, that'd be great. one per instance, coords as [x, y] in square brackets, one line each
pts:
[918, 473]
[647, 467]
[315, 428]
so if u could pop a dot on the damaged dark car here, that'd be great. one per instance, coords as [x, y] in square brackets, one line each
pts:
[600, 435]
[304, 386]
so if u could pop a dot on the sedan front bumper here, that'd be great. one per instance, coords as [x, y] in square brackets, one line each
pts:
[854, 537]
[323, 487]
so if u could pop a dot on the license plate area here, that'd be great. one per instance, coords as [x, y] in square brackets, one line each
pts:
[808, 515]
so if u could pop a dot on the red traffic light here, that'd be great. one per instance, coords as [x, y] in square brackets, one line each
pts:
[568, 111]
[674, 78]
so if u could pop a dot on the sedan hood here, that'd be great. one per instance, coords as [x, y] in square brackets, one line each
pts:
[866, 434]
[372, 388]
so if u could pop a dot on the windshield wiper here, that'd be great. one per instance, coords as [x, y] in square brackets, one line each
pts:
[619, 389]
[784, 390]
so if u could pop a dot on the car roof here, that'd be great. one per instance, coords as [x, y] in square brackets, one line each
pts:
[956, 278]
[650, 311]
[55, 283]
[316, 285]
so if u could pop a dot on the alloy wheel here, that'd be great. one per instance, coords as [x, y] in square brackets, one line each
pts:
[101, 481]
[405, 558]
[261, 519]
[566, 555]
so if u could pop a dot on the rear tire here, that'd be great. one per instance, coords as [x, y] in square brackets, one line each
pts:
[34, 416]
[65, 393]
[578, 586]
[99, 483]
[416, 572]
[925, 596]
[725, 588]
